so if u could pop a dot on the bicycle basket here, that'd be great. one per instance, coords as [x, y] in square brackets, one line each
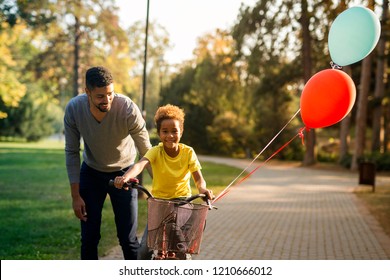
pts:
[175, 227]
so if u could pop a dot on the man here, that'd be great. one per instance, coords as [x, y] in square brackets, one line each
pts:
[113, 130]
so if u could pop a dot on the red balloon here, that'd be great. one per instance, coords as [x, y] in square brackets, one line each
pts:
[327, 98]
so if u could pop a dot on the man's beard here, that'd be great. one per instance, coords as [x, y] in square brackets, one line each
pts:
[103, 109]
[100, 106]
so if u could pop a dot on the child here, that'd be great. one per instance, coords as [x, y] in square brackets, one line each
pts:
[173, 163]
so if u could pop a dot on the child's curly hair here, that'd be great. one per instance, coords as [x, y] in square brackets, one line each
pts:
[169, 112]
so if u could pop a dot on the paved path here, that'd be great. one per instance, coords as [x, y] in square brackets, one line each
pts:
[287, 212]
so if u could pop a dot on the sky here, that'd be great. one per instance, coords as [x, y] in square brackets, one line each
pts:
[184, 20]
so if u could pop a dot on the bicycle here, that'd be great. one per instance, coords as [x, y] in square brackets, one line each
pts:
[175, 227]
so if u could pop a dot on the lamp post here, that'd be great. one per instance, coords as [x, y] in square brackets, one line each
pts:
[160, 65]
[140, 176]
[145, 60]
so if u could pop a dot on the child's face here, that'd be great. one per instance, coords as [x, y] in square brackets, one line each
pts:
[170, 133]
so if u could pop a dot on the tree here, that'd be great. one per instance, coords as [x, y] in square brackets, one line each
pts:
[272, 35]
[54, 52]
[156, 72]
[11, 88]
[217, 84]
[197, 118]
[207, 88]
[229, 134]
[217, 88]
[34, 118]
[301, 28]
[344, 130]
[380, 77]
[79, 34]
[345, 124]
[309, 157]
[361, 115]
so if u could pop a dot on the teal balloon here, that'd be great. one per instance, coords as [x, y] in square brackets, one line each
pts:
[353, 35]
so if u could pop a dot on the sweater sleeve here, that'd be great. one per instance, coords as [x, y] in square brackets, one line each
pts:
[72, 145]
[137, 129]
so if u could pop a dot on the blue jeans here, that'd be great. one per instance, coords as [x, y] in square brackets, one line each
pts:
[94, 189]
[144, 253]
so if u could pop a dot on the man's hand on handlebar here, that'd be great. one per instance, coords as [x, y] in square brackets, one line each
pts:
[119, 182]
[131, 183]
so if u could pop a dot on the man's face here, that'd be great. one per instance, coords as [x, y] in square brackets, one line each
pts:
[101, 97]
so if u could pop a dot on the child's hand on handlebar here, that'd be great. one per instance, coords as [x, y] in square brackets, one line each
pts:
[209, 196]
[207, 192]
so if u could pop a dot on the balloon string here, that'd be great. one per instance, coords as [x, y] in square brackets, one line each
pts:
[301, 135]
[260, 165]
[335, 66]
[243, 171]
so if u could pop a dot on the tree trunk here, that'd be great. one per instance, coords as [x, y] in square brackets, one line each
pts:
[378, 118]
[309, 158]
[344, 128]
[361, 116]
[346, 122]
[386, 139]
[77, 36]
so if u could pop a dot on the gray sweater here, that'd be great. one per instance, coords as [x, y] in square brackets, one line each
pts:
[110, 145]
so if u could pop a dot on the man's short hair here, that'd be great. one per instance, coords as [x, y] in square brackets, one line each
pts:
[98, 77]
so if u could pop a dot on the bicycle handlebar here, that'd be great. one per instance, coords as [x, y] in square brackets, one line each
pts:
[202, 196]
[134, 183]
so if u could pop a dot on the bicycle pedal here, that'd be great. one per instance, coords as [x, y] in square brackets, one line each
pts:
[159, 256]
[171, 255]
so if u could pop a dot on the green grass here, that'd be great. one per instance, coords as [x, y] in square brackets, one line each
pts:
[36, 218]
[36, 215]
[378, 203]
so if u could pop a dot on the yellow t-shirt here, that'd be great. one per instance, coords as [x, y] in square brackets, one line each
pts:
[172, 176]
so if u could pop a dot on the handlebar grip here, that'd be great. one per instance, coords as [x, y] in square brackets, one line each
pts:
[195, 196]
[125, 185]
[204, 197]
[132, 183]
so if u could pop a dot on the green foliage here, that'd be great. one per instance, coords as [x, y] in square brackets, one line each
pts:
[381, 160]
[37, 14]
[8, 14]
[179, 87]
[327, 157]
[29, 111]
[346, 160]
[197, 116]
[195, 128]
[34, 118]
[11, 87]
[228, 133]
[38, 51]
